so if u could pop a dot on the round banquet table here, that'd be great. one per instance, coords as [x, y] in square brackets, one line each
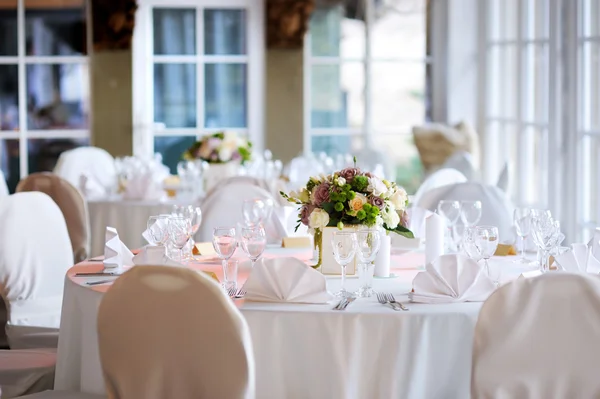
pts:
[311, 351]
[129, 217]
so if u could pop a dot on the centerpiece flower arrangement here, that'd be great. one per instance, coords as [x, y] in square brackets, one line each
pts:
[350, 197]
[220, 147]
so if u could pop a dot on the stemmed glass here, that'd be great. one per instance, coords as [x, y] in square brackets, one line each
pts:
[546, 234]
[254, 241]
[194, 213]
[344, 245]
[257, 210]
[368, 244]
[522, 218]
[179, 233]
[450, 210]
[486, 241]
[224, 242]
[470, 212]
[539, 216]
[158, 230]
[470, 245]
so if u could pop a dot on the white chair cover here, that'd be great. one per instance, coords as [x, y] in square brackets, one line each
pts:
[91, 161]
[502, 183]
[223, 207]
[26, 371]
[497, 209]
[440, 178]
[463, 162]
[3, 186]
[179, 336]
[35, 254]
[536, 339]
[62, 395]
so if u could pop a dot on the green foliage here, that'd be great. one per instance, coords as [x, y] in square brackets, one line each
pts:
[339, 206]
[360, 183]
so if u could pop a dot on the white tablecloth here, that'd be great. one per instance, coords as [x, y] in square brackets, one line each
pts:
[128, 217]
[311, 351]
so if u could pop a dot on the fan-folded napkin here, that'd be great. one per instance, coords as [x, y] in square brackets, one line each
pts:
[116, 254]
[451, 278]
[153, 255]
[579, 259]
[90, 187]
[286, 280]
[144, 186]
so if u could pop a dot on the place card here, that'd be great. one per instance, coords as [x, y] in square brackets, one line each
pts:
[296, 242]
[204, 249]
[212, 275]
[530, 274]
[505, 250]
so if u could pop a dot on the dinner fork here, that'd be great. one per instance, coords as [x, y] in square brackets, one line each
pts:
[240, 293]
[392, 300]
[384, 301]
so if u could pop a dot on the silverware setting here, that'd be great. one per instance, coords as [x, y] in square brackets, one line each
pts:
[343, 304]
[388, 299]
[236, 293]
[99, 282]
[96, 274]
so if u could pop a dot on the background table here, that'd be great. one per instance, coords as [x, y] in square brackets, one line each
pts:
[128, 217]
[311, 351]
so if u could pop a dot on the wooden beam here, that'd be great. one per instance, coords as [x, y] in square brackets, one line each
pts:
[287, 21]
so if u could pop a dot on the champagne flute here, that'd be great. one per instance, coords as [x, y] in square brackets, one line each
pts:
[225, 243]
[522, 218]
[486, 241]
[344, 248]
[368, 244]
[254, 241]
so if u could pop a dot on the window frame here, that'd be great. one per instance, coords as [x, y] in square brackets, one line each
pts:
[144, 127]
[22, 60]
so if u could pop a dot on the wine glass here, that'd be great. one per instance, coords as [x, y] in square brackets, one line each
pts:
[469, 245]
[224, 242]
[546, 233]
[522, 218]
[368, 244]
[486, 241]
[257, 210]
[450, 210]
[179, 233]
[157, 228]
[254, 241]
[470, 212]
[344, 248]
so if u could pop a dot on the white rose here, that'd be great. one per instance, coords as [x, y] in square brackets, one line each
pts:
[225, 154]
[399, 199]
[318, 219]
[376, 186]
[341, 181]
[390, 218]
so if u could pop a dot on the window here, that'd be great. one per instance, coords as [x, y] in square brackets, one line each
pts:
[365, 82]
[198, 69]
[517, 116]
[44, 89]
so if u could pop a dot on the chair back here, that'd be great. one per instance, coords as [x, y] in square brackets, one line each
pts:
[71, 203]
[536, 338]
[222, 207]
[3, 186]
[439, 178]
[35, 254]
[169, 332]
[496, 208]
[95, 163]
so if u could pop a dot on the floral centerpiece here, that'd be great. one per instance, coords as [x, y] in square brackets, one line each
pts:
[350, 197]
[220, 147]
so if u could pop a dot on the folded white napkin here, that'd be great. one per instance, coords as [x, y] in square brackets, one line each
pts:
[594, 243]
[144, 186]
[286, 280]
[90, 187]
[116, 254]
[452, 278]
[153, 255]
[159, 224]
[579, 259]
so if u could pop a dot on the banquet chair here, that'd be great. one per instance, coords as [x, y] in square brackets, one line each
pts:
[440, 178]
[26, 371]
[223, 207]
[464, 163]
[92, 162]
[179, 336]
[536, 339]
[496, 207]
[35, 254]
[502, 182]
[70, 202]
[3, 187]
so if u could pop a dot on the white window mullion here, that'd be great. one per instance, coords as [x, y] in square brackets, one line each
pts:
[22, 90]
[307, 94]
[200, 63]
[368, 62]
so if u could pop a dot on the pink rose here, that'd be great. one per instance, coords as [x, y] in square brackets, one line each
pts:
[349, 174]
[321, 194]
[305, 212]
[376, 201]
[405, 219]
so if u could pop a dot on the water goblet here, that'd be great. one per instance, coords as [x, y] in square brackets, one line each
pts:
[254, 241]
[546, 233]
[470, 212]
[469, 245]
[450, 210]
[179, 233]
[225, 243]
[257, 210]
[368, 244]
[157, 228]
[344, 248]
[486, 241]
[522, 218]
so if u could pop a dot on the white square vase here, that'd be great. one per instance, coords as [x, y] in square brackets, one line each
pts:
[329, 266]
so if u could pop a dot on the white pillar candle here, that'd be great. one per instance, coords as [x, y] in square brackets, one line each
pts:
[435, 229]
[382, 260]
